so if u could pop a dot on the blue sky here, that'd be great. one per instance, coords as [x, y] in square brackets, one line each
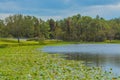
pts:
[59, 9]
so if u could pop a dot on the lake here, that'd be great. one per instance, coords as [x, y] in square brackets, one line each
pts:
[106, 56]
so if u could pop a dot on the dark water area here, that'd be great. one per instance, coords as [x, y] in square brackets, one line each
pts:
[106, 56]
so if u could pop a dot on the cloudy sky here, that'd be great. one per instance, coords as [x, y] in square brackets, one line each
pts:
[59, 9]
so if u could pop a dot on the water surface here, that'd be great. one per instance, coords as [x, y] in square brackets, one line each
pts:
[103, 55]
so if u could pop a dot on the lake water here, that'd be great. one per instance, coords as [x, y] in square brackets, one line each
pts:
[103, 55]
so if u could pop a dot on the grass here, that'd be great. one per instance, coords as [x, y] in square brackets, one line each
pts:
[113, 41]
[26, 62]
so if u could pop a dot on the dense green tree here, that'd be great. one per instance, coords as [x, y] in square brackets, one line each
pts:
[58, 31]
[74, 28]
[14, 25]
[52, 28]
[1, 28]
[44, 30]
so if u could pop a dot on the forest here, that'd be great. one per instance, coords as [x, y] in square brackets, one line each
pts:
[74, 28]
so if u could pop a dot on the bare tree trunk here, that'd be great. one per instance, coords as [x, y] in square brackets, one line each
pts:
[18, 40]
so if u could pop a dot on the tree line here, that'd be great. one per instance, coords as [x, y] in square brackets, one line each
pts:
[75, 28]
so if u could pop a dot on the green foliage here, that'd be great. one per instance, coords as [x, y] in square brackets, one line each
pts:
[75, 28]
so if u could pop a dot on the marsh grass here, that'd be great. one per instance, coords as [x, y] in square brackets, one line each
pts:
[27, 63]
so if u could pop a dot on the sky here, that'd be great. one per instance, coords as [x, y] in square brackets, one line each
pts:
[59, 9]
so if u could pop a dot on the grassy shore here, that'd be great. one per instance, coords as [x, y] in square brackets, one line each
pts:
[24, 61]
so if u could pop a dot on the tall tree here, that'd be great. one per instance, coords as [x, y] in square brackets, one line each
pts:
[52, 28]
[1, 28]
[14, 24]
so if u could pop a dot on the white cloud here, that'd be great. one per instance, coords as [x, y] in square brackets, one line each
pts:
[106, 11]
[115, 7]
[4, 15]
[49, 17]
[103, 10]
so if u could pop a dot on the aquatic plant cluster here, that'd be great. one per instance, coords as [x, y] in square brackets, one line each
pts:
[26, 63]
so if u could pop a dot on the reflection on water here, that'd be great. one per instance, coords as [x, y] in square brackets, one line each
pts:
[103, 55]
[87, 58]
[97, 59]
